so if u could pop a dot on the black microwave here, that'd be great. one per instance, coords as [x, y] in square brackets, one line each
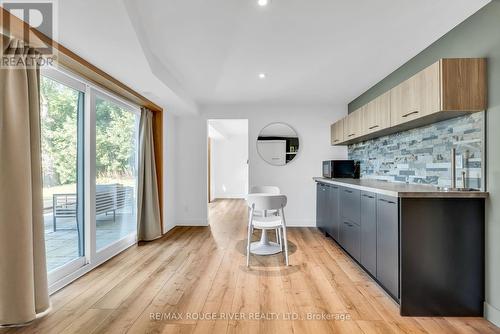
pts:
[341, 169]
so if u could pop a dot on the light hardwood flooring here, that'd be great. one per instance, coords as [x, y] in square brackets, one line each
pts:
[163, 286]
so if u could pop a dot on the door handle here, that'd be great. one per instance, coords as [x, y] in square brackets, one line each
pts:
[410, 113]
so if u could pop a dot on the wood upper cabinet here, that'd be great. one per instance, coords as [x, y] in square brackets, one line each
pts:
[446, 89]
[449, 86]
[353, 125]
[337, 132]
[416, 97]
[376, 115]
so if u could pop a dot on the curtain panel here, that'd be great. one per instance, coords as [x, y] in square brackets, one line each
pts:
[148, 211]
[23, 273]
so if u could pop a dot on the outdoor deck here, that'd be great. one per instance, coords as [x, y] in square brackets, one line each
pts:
[62, 246]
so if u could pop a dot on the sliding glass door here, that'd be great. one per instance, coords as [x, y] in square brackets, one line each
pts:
[61, 113]
[116, 171]
[89, 159]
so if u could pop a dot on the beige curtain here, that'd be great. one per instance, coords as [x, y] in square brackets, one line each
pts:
[23, 273]
[148, 212]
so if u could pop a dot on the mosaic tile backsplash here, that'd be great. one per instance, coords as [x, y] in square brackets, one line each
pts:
[423, 155]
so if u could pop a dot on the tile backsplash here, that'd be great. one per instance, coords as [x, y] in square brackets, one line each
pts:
[423, 155]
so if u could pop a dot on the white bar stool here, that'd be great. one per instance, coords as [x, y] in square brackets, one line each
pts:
[266, 247]
[266, 202]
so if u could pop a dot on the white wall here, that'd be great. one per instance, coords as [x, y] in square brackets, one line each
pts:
[169, 152]
[229, 166]
[295, 179]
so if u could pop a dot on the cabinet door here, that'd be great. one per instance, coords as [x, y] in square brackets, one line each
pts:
[350, 204]
[334, 212]
[337, 132]
[377, 114]
[427, 90]
[353, 126]
[350, 238]
[404, 102]
[369, 232]
[388, 243]
[320, 206]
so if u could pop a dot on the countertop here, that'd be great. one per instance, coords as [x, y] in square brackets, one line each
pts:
[403, 190]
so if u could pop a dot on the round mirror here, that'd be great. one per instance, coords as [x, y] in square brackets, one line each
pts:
[278, 144]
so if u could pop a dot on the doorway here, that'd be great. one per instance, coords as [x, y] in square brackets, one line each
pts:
[227, 153]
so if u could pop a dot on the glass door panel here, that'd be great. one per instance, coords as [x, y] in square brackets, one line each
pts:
[115, 170]
[62, 166]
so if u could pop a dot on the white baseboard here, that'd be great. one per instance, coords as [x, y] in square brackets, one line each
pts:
[492, 314]
[192, 222]
[230, 196]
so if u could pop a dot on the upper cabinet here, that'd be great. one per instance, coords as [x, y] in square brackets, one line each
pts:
[353, 125]
[416, 97]
[446, 89]
[377, 114]
[337, 132]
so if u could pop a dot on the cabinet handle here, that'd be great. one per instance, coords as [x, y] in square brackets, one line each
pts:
[386, 201]
[348, 224]
[364, 195]
[410, 113]
[348, 191]
[336, 140]
[352, 134]
[373, 127]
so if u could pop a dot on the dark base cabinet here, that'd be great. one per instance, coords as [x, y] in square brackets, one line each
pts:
[350, 239]
[369, 232]
[388, 244]
[442, 257]
[427, 253]
[327, 209]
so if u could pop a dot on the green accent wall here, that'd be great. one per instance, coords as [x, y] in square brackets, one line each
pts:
[478, 36]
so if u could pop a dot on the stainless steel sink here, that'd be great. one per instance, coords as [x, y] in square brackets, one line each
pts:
[456, 189]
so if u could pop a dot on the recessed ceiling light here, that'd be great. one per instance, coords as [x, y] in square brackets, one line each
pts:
[262, 75]
[263, 3]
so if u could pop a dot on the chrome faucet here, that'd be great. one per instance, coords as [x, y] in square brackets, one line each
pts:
[453, 168]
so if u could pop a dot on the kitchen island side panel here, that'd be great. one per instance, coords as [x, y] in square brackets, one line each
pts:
[442, 256]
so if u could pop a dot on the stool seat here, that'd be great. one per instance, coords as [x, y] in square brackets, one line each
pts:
[267, 223]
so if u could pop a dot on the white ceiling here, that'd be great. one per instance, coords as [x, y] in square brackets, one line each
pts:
[183, 53]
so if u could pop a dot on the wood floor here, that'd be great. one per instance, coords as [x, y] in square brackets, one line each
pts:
[180, 283]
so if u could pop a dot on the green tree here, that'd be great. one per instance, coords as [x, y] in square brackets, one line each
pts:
[115, 135]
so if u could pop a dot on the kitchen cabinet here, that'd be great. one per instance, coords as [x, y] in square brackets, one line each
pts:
[448, 88]
[333, 201]
[352, 125]
[368, 226]
[337, 132]
[377, 114]
[350, 238]
[321, 206]
[350, 204]
[388, 244]
[327, 209]
[425, 248]
[416, 97]
[349, 229]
